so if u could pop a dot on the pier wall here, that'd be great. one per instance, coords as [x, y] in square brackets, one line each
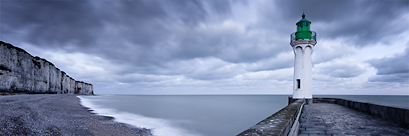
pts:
[395, 115]
[278, 124]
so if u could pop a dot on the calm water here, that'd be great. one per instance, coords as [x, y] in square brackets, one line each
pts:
[203, 115]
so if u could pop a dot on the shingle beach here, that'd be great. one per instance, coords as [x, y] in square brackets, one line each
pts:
[56, 114]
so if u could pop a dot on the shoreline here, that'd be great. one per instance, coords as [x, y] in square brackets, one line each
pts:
[57, 114]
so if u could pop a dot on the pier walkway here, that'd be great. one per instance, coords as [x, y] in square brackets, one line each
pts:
[336, 120]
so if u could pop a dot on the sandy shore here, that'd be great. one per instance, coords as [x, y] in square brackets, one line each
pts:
[56, 114]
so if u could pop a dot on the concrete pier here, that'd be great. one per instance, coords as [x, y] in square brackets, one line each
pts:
[333, 117]
[278, 124]
[333, 120]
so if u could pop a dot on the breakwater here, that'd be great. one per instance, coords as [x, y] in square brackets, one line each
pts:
[395, 115]
[22, 72]
[285, 122]
[278, 124]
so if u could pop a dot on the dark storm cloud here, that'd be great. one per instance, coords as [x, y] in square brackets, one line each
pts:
[342, 70]
[362, 22]
[145, 36]
[82, 22]
[156, 37]
[329, 51]
[49, 23]
[124, 31]
[391, 69]
[284, 61]
[396, 78]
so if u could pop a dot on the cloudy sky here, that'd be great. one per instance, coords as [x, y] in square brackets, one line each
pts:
[215, 46]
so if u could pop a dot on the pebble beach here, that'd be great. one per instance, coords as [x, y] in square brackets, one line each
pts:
[56, 114]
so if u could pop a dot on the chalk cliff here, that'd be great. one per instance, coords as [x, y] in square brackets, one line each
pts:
[21, 72]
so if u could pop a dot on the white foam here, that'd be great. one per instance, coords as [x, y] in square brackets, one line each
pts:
[160, 127]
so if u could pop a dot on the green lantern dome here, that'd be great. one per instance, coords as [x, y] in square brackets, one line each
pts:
[303, 30]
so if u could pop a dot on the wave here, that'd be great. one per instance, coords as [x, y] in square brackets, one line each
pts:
[159, 127]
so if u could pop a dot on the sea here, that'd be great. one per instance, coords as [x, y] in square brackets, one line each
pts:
[205, 115]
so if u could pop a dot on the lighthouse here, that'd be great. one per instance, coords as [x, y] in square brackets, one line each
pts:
[303, 42]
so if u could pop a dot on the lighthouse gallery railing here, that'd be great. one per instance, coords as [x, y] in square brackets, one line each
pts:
[302, 35]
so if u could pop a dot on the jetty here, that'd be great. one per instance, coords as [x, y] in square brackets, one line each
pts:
[333, 117]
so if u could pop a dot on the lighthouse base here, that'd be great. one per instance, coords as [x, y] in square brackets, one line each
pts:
[307, 101]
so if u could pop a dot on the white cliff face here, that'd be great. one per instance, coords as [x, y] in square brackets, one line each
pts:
[21, 72]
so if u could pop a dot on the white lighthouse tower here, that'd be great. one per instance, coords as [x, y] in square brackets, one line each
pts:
[303, 42]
